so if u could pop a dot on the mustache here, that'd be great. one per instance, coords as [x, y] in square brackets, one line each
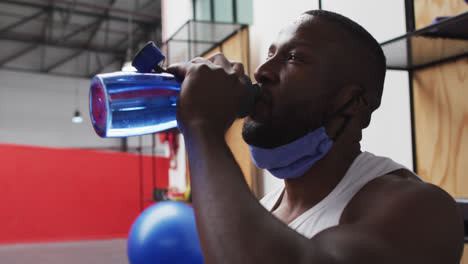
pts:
[269, 135]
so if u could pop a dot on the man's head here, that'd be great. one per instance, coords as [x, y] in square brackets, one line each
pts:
[321, 68]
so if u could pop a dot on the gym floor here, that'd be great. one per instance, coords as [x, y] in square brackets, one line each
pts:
[90, 252]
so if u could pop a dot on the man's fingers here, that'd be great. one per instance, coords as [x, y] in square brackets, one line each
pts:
[179, 69]
[238, 68]
[200, 60]
[229, 66]
[219, 59]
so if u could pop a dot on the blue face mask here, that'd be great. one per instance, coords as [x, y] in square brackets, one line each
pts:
[294, 159]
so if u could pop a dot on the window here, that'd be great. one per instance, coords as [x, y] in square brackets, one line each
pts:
[203, 10]
[230, 11]
[244, 11]
[223, 11]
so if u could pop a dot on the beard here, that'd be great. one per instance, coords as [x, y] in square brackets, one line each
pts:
[270, 135]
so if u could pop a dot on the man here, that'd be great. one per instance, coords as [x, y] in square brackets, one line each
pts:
[322, 79]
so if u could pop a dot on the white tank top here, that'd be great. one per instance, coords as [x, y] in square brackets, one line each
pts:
[327, 213]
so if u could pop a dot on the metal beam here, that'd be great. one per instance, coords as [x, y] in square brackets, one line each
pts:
[88, 60]
[23, 21]
[78, 12]
[47, 30]
[145, 5]
[79, 30]
[116, 58]
[96, 7]
[98, 60]
[69, 25]
[18, 54]
[37, 39]
[66, 15]
[78, 53]
[63, 60]
[98, 23]
[35, 71]
[28, 48]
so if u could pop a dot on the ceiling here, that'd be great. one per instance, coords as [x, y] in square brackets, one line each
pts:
[75, 37]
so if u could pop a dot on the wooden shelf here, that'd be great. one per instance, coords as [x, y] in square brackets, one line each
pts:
[440, 42]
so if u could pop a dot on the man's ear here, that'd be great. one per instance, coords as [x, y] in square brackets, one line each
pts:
[353, 102]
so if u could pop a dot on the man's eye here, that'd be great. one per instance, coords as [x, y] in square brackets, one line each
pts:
[292, 56]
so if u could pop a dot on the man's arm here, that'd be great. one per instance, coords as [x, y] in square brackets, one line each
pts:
[234, 228]
[408, 220]
[416, 224]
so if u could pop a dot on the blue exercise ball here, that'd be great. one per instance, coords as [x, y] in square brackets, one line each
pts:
[165, 233]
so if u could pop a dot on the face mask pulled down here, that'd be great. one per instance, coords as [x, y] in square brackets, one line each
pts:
[292, 160]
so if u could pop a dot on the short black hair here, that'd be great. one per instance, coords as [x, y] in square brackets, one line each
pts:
[369, 50]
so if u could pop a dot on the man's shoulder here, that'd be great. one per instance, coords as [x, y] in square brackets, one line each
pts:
[405, 210]
[400, 191]
[370, 166]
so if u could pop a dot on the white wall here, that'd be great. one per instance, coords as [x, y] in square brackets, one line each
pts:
[36, 109]
[174, 14]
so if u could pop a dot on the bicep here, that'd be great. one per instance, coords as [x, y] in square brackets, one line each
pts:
[417, 226]
[351, 244]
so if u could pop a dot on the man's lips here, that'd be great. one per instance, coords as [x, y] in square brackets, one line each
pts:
[265, 95]
[262, 107]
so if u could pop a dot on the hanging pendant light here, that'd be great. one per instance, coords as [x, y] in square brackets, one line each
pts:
[77, 117]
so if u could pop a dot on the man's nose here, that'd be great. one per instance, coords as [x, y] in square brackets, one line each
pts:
[267, 72]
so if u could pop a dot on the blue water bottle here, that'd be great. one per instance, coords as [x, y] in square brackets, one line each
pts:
[126, 104]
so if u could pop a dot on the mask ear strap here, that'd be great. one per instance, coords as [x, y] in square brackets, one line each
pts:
[339, 132]
[339, 112]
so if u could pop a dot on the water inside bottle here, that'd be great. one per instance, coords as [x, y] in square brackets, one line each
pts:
[126, 104]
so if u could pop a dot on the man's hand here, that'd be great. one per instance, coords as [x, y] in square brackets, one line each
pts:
[211, 93]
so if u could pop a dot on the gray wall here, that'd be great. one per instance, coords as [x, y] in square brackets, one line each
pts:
[36, 109]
